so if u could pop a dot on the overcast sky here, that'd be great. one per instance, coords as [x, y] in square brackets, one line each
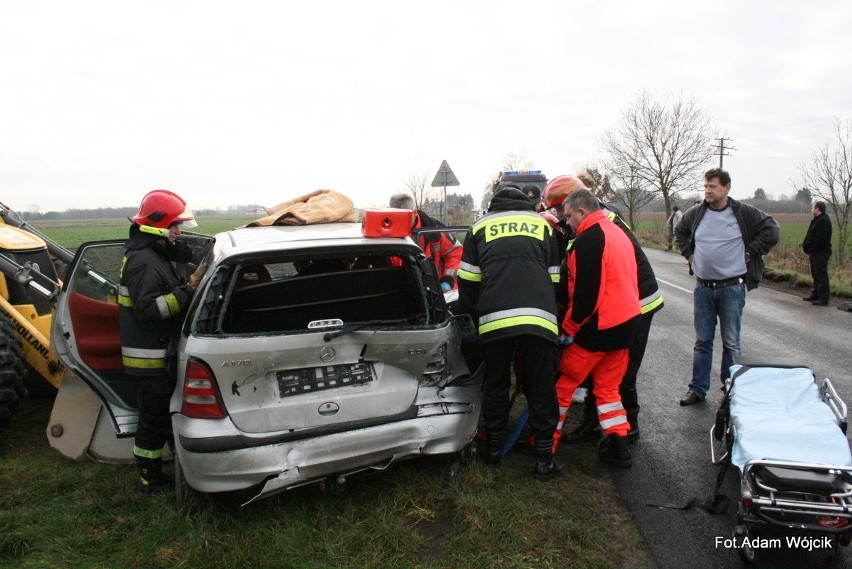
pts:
[259, 102]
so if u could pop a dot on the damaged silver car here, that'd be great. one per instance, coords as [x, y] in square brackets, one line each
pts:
[309, 353]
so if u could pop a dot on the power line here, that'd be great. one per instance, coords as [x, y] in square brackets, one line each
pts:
[722, 148]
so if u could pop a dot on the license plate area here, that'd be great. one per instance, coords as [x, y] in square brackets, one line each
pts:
[313, 379]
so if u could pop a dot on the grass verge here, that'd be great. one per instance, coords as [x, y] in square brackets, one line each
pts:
[57, 513]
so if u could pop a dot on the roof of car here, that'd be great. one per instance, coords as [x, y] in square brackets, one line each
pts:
[282, 237]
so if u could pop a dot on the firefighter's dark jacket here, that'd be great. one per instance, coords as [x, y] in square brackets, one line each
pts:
[603, 300]
[510, 263]
[151, 297]
[760, 234]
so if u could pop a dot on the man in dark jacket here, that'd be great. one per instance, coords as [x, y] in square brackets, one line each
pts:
[724, 242]
[151, 299]
[817, 245]
[507, 277]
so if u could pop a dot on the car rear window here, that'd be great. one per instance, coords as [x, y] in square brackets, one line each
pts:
[263, 297]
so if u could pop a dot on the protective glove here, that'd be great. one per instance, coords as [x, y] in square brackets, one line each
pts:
[447, 284]
[565, 340]
[195, 277]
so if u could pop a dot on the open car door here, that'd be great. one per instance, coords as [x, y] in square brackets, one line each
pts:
[94, 415]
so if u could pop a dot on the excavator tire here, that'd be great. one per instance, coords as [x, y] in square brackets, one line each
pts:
[12, 370]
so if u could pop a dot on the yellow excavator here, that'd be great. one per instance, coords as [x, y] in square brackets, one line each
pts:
[29, 286]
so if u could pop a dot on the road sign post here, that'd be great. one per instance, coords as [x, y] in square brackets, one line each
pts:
[444, 177]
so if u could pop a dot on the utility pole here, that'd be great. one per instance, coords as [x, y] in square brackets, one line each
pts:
[721, 148]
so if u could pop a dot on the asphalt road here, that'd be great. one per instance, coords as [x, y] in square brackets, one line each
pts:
[672, 460]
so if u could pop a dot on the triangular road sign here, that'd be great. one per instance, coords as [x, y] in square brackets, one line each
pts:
[445, 176]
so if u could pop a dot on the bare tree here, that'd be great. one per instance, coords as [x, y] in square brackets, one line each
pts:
[663, 140]
[417, 183]
[597, 180]
[829, 177]
[629, 193]
[516, 161]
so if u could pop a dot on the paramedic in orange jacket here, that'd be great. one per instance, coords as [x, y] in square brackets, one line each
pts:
[601, 321]
[444, 250]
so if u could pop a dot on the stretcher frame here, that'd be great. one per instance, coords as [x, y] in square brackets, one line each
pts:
[786, 497]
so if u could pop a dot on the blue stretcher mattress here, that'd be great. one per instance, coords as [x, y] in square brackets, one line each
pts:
[778, 415]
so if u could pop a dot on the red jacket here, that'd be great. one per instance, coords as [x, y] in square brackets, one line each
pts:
[603, 292]
[446, 253]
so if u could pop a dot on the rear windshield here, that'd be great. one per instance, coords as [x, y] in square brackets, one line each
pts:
[306, 293]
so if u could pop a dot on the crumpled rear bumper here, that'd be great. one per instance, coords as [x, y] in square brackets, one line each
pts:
[443, 426]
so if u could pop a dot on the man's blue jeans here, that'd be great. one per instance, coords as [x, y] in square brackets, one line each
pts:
[725, 304]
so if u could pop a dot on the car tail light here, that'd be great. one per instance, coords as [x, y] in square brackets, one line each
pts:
[436, 368]
[201, 399]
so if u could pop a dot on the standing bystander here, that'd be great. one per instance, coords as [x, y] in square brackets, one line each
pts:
[671, 223]
[724, 242]
[817, 245]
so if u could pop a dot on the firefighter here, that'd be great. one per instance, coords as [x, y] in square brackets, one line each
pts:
[601, 320]
[152, 298]
[507, 279]
[444, 250]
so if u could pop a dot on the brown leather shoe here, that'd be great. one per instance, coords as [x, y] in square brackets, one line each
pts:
[690, 398]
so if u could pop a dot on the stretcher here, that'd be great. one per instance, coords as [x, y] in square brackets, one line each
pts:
[785, 433]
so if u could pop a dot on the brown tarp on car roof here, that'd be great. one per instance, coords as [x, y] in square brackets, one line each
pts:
[320, 206]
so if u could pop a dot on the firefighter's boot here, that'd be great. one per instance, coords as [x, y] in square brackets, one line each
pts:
[494, 449]
[613, 450]
[546, 467]
[151, 477]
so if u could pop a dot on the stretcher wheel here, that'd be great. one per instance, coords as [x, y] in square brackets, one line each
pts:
[743, 537]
